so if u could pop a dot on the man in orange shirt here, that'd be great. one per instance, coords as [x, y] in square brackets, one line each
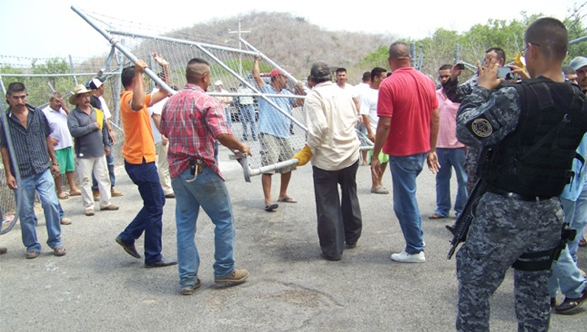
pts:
[139, 161]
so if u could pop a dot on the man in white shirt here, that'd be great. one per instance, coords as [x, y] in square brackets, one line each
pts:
[368, 101]
[161, 146]
[56, 113]
[333, 147]
[359, 90]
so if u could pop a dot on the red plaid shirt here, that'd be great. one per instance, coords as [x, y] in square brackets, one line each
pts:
[192, 120]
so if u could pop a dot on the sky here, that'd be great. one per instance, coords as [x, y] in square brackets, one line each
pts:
[50, 28]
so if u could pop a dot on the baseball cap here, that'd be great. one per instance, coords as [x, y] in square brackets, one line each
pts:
[219, 82]
[275, 72]
[94, 84]
[578, 62]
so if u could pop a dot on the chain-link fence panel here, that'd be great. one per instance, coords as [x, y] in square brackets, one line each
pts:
[269, 119]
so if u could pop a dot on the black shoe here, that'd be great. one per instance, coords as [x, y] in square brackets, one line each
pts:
[569, 305]
[162, 263]
[351, 245]
[129, 248]
[330, 258]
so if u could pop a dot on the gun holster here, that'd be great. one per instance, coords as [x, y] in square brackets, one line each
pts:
[542, 260]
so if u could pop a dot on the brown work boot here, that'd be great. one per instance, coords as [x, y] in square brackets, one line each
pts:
[115, 193]
[96, 195]
[236, 277]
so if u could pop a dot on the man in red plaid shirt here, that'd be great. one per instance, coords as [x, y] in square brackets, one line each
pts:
[192, 120]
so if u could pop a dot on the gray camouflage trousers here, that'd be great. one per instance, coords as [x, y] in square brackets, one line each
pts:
[471, 161]
[504, 229]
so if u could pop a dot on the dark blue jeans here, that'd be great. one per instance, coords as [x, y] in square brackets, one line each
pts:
[149, 218]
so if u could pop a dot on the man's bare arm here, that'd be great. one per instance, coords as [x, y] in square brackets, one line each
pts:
[138, 97]
[256, 73]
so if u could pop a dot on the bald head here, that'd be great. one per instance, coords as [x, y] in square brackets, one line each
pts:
[399, 51]
[399, 56]
[198, 72]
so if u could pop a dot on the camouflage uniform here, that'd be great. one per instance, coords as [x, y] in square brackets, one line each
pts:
[456, 93]
[503, 229]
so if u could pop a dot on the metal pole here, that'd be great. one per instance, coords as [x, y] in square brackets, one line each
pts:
[72, 70]
[412, 54]
[107, 62]
[15, 170]
[240, 60]
[57, 75]
[116, 96]
[2, 86]
[578, 40]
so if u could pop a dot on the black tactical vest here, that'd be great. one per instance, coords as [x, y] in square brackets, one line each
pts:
[536, 158]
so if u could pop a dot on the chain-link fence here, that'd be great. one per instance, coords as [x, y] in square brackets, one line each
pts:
[42, 76]
[232, 67]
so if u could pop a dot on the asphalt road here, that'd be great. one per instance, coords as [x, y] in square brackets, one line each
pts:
[98, 287]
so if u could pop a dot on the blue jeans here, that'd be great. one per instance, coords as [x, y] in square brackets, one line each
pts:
[228, 119]
[209, 192]
[449, 159]
[248, 117]
[110, 162]
[404, 171]
[565, 273]
[567, 276]
[43, 183]
[576, 216]
[149, 218]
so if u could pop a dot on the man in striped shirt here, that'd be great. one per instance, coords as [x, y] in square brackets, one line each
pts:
[36, 161]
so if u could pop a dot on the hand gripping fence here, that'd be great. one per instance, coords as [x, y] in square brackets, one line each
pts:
[234, 88]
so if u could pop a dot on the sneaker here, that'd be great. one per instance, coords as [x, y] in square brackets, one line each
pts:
[96, 194]
[32, 254]
[90, 212]
[115, 193]
[235, 278]
[110, 207]
[404, 257]
[3, 250]
[569, 306]
[189, 290]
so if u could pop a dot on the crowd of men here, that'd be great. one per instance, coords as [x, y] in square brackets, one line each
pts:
[519, 140]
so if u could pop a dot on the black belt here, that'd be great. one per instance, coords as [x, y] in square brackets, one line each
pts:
[515, 196]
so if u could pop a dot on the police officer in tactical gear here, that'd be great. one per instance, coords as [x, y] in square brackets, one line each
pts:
[529, 132]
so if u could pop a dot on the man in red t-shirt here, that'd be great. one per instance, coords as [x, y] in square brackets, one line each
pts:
[409, 98]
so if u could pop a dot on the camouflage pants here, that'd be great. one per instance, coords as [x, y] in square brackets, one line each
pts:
[503, 230]
[471, 161]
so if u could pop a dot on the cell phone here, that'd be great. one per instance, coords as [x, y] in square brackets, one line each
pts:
[460, 66]
[502, 72]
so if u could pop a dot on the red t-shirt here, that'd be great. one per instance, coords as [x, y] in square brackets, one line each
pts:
[408, 97]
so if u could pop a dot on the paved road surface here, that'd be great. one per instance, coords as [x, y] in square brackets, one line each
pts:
[98, 287]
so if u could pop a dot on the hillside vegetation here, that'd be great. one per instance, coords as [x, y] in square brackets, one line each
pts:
[291, 41]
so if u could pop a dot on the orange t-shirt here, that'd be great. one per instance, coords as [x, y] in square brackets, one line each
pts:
[138, 136]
